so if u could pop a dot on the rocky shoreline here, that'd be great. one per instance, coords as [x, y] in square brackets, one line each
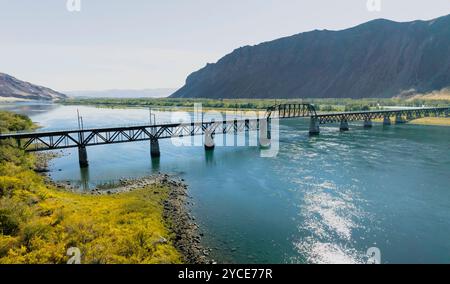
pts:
[187, 236]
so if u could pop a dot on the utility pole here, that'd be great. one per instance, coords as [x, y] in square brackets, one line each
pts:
[151, 115]
[78, 117]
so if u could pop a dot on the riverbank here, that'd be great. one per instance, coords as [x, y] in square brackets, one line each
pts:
[186, 234]
[438, 121]
[427, 121]
[144, 222]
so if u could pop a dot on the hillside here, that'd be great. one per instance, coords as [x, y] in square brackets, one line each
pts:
[377, 59]
[123, 93]
[14, 89]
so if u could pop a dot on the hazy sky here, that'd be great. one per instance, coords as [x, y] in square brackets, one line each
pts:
[155, 44]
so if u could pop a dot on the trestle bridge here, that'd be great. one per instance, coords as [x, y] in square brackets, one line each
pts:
[82, 138]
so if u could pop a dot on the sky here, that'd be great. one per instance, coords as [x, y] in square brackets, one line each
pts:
[142, 44]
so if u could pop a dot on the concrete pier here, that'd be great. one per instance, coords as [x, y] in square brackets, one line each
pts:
[82, 156]
[264, 134]
[386, 120]
[247, 137]
[314, 128]
[154, 148]
[409, 117]
[344, 125]
[367, 123]
[209, 140]
[399, 119]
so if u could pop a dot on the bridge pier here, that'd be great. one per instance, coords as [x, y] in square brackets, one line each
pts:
[209, 140]
[82, 157]
[367, 123]
[409, 116]
[386, 120]
[399, 119]
[314, 128]
[154, 148]
[344, 125]
[264, 133]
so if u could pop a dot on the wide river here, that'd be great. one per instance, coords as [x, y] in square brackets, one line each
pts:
[324, 199]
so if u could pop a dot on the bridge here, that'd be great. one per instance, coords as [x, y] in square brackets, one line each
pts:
[82, 138]
[400, 115]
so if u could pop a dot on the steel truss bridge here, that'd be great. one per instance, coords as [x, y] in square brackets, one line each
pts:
[409, 114]
[52, 140]
[81, 138]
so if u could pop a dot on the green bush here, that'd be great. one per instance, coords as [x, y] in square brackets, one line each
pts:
[9, 223]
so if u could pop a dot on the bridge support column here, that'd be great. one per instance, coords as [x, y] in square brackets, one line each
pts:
[264, 133]
[82, 157]
[447, 113]
[409, 116]
[367, 123]
[154, 148]
[209, 140]
[344, 125]
[314, 128]
[426, 114]
[386, 120]
[399, 119]
[247, 133]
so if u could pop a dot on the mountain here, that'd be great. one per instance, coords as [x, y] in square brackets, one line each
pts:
[144, 93]
[14, 89]
[380, 58]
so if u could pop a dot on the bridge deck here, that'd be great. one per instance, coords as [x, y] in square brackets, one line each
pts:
[392, 111]
[48, 140]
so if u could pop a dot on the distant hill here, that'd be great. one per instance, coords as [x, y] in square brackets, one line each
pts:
[15, 89]
[380, 58]
[145, 93]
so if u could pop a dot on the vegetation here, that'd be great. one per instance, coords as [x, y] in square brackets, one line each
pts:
[321, 104]
[39, 223]
[14, 122]
[442, 121]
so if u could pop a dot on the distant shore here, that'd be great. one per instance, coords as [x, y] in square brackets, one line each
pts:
[438, 121]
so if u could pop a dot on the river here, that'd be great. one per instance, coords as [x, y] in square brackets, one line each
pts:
[324, 199]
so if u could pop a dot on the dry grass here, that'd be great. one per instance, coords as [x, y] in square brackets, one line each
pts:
[442, 121]
[440, 95]
[39, 223]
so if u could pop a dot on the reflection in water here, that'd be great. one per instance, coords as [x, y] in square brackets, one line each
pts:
[209, 157]
[84, 174]
[156, 162]
[331, 214]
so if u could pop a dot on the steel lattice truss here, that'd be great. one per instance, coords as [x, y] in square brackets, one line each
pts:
[50, 140]
[292, 110]
[369, 115]
[40, 141]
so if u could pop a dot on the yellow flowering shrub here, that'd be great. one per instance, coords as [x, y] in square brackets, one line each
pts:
[39, 223]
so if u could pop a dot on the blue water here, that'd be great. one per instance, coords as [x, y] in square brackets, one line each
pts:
[325, 199]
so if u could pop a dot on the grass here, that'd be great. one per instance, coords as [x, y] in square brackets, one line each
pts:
[39, 223]
[441, 121]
